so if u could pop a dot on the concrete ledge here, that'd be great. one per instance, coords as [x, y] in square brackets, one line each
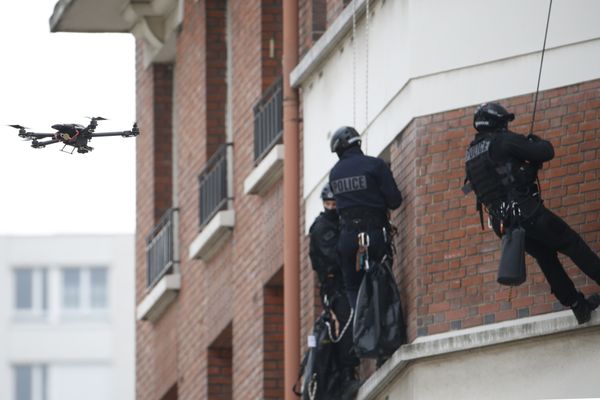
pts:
[266, 173]
[159, 298]
[469, 339]
[326, 43]
[213, 236]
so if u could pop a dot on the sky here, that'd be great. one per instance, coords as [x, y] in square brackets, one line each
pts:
[49, 78]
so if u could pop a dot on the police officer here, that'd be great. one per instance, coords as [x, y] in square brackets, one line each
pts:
[502, 169]
[364, 190]
[324, 234]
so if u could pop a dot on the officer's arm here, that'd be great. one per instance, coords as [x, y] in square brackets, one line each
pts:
[387, 185]
[531, 148]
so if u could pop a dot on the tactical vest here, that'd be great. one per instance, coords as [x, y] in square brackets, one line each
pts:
[490, 181]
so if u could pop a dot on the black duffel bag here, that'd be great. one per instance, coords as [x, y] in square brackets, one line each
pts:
[379, 327]
[512, 271]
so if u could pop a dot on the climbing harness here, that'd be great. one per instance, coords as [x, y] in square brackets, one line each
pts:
[341, 335]
[540, 70]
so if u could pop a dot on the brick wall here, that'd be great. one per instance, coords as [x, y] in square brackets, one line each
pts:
[220, 367]
[272, 40]
[216, 74]
[446, 265]
[153, 196]
[273, 367]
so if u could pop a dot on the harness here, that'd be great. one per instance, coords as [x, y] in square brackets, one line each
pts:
[495, 184]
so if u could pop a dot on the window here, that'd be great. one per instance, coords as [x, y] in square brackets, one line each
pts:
[31, 290]
[30, 382]
[99, 289]
[85, 289]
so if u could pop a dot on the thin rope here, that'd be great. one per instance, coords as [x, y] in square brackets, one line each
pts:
[367, 76]
[540, 72]
[354, 63]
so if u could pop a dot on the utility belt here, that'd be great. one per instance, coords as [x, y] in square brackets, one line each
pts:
[525, 204]
[362, 219]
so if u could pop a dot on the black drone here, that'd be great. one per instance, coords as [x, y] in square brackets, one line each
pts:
[74, 135]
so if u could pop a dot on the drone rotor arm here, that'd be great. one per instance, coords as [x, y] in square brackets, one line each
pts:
[37, 145]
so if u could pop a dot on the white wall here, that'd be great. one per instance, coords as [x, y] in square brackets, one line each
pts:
[429, 56]
[93, 348]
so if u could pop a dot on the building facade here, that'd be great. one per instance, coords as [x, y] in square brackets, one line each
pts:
[210, 252]
[67, 317]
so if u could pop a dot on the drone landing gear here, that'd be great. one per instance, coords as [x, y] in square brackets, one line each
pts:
[82, 149]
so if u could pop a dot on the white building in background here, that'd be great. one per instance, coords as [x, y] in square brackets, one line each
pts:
[67, 318]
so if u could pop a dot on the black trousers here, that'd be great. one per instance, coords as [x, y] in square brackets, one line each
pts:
[347, 248]
[344, 349]
[546, 236]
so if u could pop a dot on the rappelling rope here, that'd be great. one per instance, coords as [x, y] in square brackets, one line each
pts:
[354, 62]
[367, 75]
[540, 71]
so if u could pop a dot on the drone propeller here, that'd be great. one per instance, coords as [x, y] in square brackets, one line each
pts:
[20, 127]
[98, 118]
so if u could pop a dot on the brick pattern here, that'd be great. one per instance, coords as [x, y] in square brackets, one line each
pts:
[272, 41]
[216, 74]
[273, 379]
[153, 195]
[448, 276]
[220, 378]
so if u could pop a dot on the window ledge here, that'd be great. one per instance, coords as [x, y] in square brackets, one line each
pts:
[213, 236]
[266, 173]
[157, 300]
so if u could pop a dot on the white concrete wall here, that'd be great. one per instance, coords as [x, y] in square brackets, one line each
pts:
[542, 357]
[429, 56]
[80, 349]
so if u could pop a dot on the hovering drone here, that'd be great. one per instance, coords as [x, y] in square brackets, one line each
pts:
[74, 135]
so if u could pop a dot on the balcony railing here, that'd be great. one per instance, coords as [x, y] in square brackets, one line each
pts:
[213, 185]
[161, 249]
[268, 120]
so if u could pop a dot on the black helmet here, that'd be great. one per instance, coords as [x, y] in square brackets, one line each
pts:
[490, 117]
[344, 137]
[327, 193]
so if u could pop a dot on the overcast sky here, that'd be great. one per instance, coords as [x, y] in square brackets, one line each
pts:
[48, 78]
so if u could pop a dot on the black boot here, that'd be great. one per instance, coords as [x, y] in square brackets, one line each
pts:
[582, 308]
[349, 386]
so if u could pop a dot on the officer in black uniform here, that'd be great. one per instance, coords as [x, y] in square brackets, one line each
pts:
[364, 190]
[324, 234]
[502, 169]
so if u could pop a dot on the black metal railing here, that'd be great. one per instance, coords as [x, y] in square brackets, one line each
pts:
[268, 120]
[160, 248]
[213, 185]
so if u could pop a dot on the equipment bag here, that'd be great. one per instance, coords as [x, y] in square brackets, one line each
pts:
[319, 371]
[379, 327]
[512, 271]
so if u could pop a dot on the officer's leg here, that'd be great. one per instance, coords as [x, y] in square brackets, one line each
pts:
[344, 348]
[377, 244]
[346, 249]
[547, 258]
[569, 242]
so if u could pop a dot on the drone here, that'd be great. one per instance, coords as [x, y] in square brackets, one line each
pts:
[73, 135]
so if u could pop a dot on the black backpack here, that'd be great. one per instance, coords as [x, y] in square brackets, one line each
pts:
[321, 376]
[379, 327]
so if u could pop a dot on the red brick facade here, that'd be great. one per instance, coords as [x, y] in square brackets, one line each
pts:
[223, 336]
[446, 265]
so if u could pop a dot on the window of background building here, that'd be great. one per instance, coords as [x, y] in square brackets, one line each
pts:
[84, 289]
[31, 291]
[30, 382]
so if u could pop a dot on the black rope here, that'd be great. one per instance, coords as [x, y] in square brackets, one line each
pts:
[540, 72]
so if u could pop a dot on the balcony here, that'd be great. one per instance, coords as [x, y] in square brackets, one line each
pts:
[268, 130]
[216, 218]
[162, 258]
[161, 252]
[268, 120]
